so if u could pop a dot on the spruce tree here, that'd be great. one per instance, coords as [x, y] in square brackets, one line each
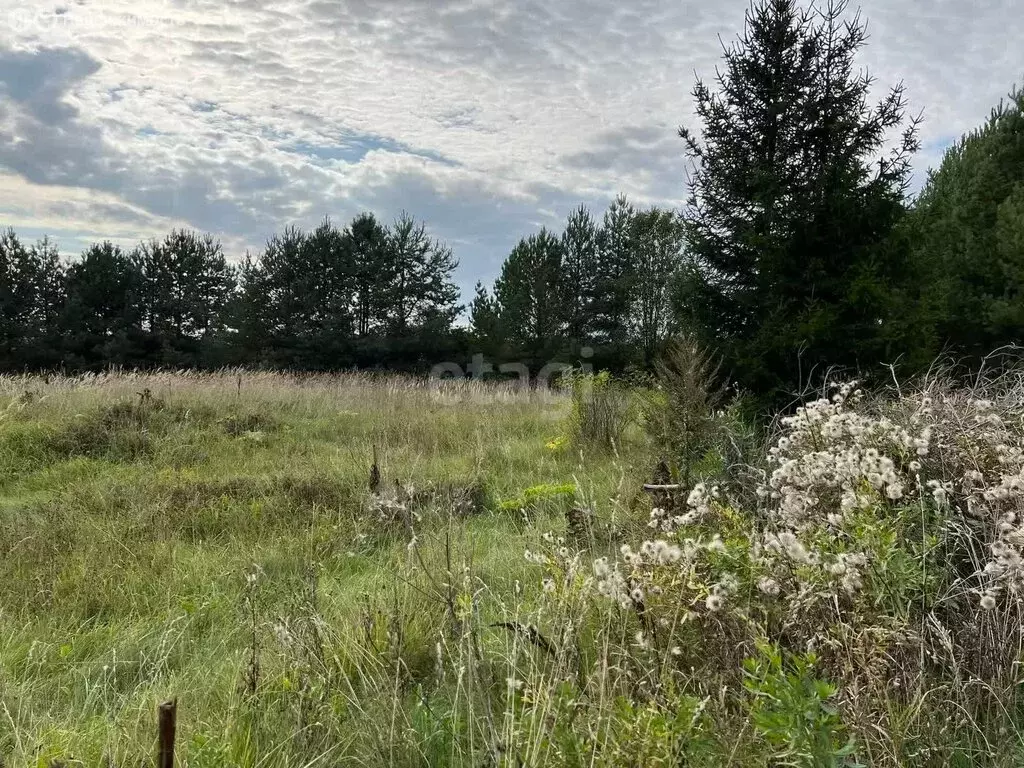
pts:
[792, 197]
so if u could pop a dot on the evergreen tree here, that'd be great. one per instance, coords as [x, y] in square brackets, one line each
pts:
[102, 316]
[968, 234]
[792, 199]
[579, 271]
[528, 295]
[187, 285]
[484, 324]
[297, 300]
[614, 274]
[370, 270]
[421, 292]
[31, 297]
[658, 249]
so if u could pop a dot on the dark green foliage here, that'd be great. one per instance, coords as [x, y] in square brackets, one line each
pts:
[599, 293]
[579, 273]
[103, 314]
[366, 267]
[186, 288]
[615, 273]
[484, 323]
[529, 296]
[967, 232]
[657, 260]
[296, 301]
[31, 296]
[420, 293]
[367, 295]
[792, 200]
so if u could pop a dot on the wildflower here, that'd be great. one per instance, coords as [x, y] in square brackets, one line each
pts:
[988, 601]
[769, 586]
[283, 634]
[714, 602]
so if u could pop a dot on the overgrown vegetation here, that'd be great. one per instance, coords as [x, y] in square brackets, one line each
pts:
[844, 590]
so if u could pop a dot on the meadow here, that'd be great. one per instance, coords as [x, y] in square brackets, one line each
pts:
[162, 534]
[502, 590]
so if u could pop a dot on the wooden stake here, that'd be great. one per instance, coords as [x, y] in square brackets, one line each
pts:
[167, 715]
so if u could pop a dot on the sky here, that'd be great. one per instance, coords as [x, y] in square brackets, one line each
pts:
[487, 119]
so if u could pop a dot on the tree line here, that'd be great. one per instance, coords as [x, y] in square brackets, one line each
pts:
[365, 295]
[599, 287]
[799, 249]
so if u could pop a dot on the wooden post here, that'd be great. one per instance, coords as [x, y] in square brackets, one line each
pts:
[167, 714]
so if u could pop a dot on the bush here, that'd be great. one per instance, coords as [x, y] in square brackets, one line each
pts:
[885, 552]
[602, 409]
[680, 413]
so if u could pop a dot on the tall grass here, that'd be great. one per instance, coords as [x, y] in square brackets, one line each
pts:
[508, 595]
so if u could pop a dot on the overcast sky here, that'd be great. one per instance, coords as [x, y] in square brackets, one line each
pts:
[120, 119]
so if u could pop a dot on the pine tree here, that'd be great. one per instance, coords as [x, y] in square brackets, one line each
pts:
[297, 300]
[102, 314]
[614, 274]
[967, 231]
[187, 286]
[421, 291]
[484, 323]
[370, 272]
[578, 272]
[658, 251]
[528, 295]
[31, 297]
[792, 198]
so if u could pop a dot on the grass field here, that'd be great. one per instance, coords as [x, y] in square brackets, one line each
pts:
[157, 530]
[506, 593]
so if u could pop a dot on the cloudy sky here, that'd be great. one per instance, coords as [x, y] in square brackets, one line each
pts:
[120, 119]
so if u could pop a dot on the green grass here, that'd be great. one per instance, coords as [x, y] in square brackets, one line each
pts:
[132, 509]
[508, 595]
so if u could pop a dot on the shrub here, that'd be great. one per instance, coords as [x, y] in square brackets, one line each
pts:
[884, 552]
[602, 408]
[680, 414]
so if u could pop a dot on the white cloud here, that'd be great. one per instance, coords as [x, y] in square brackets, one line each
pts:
[484, 117]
